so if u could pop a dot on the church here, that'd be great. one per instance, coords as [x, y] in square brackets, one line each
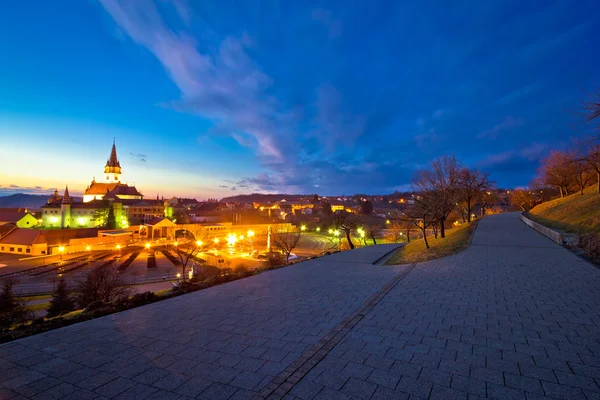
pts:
[111, 187]
[127, 202]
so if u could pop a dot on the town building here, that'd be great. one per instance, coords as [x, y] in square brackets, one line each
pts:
[20, 217]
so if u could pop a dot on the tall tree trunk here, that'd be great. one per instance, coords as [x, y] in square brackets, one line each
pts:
[468, 210]
[561, 192]
[349, 240]
[442, 229]
[425, 238]
[374, 242]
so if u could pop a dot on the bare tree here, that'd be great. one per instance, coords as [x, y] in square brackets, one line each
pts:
[472, 185]
[592, 158]
[439, 184]
[102, 283]
[194, 240]
[559, 171]
[347, 223]
[422, 214]
[591, 106]
[372, 232]
[521, 198]
[286, 240]
[396, 229]
[12, 309]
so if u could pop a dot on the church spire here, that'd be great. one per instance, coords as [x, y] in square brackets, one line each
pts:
[113, 161]
[112, 170]
[66, 199]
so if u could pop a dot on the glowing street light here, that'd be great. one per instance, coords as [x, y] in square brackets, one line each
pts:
[250, 234]
[336, 232]
[318, 229]
[198, 242]
[147, 246]
[303, 228]
[61, 250]
[118, 247]
[330, 231]
[178, 275]
[175, 244]
[242, 237]
[231, 239]
[88, 248]
[387, 221]
[216, 240]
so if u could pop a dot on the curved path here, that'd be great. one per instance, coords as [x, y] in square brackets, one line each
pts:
[513, 317]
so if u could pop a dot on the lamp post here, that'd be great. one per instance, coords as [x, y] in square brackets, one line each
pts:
[61, 249]
[336, 233]
[88, 248]
[119, 249]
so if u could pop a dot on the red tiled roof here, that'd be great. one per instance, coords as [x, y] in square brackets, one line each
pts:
[23, 237]
[100, 188]
[11, 216]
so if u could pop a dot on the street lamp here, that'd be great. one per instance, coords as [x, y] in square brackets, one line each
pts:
[303, 228]
[61, 249]
[216, 240]
[250, 234]
[178, 275]
[318, 229]
[198, 243]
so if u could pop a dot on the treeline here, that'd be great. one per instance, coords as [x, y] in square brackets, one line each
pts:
[445, 187]
[578, 167]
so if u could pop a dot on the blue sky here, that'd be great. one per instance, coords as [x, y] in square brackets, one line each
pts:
[215, 98]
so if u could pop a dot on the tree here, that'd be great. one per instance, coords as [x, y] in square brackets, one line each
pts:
[285, 240]
[111, 220]
[61, 300]
[472, 183]
[101, 213]
[188, 246]
[366, 207]
[521, 198]
[559, 171]
[422, 214]
[372, 232]
[591, 107]
[347, 223]
[103, 283]
[12, 309]
[592, 158]
[327, 208]
[439, 186]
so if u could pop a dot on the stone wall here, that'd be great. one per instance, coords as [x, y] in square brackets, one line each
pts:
[551, 234]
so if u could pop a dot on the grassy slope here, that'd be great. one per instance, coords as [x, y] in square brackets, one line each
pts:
[575, 213]
[456, 240]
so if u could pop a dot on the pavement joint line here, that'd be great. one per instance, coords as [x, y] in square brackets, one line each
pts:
[320, 350]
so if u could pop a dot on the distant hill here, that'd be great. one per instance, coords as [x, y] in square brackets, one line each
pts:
[263, 198]
[24, 200]
[575, 213]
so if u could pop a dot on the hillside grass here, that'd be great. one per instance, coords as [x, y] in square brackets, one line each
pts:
[576, 213]
[456, 239]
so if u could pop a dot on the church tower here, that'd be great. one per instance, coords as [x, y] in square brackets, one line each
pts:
[112, 170]
[65, 209]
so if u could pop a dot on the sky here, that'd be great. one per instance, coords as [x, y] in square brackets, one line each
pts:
[218, 98]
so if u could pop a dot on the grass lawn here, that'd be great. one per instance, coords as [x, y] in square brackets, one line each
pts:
[576, 213]
[39, 306]
[456, 240]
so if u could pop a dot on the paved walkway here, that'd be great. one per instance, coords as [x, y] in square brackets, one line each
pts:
[513, 317]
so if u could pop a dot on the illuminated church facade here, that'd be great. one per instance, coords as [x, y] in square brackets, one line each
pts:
[127, 203]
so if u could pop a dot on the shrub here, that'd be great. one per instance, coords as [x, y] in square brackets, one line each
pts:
[139, 299]
[61, 300]
[102, 283]
[94, 305]
[12, 309]
[241, 270]
[590, 244]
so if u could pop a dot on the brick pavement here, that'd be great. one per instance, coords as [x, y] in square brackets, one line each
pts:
[226, 341]
[513, 317]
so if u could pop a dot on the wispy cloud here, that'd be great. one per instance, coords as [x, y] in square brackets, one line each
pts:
[508, 123]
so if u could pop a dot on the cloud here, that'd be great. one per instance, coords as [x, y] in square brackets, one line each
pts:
[508, 123]
[140, 157]
[366, 107]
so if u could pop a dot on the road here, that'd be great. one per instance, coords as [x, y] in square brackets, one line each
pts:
[514, 316]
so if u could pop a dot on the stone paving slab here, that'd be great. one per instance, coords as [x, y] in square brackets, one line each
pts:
[364, 255]
[515, 316]
[229, 340]
[512, 317]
